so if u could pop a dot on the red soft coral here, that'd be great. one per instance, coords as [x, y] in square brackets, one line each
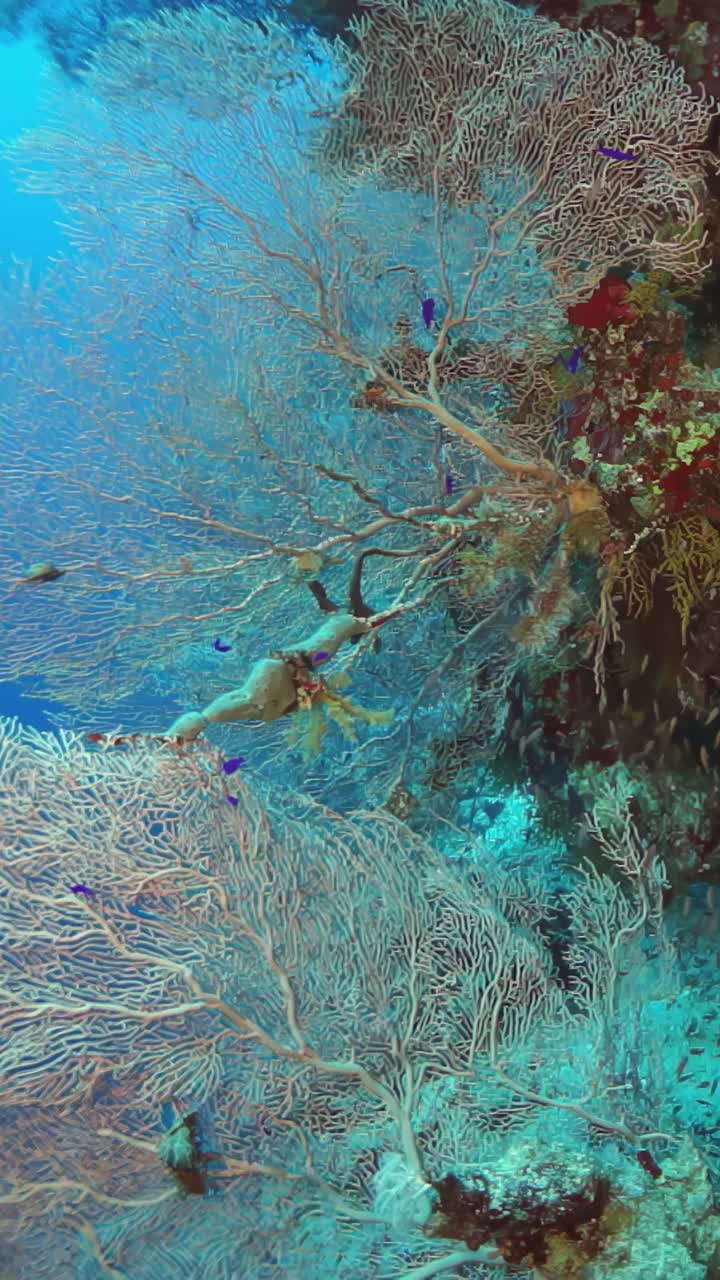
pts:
[608, 305]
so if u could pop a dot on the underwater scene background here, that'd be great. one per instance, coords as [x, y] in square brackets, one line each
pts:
[360, 640]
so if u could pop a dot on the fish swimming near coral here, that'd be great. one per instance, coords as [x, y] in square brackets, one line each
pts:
[614, 153]
[83, 890]
[232, 765]
[572, 364]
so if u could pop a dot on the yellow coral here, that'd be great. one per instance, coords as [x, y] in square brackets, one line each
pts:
[521, 549]
[344, 712]
[588, 525]
[691, 562]
[634, 579]
[308, 561]
[306, 730]
[566, 1258]
[644, 295]
[649, 293]
[586, 533]
[310, 724]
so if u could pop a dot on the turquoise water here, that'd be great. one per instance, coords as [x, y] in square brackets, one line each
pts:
[359, 645]
[29, 225]
[29, 233]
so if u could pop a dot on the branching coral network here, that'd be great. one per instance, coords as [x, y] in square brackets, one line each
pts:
[328, 312]
[273, 968]
[288, 284]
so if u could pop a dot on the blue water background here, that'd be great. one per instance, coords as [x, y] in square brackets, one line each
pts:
[29, 233]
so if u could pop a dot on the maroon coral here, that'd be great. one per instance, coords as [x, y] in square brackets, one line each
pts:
[607, 305]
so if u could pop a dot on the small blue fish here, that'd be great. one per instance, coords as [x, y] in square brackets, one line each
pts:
[615, 154]
[222, 648]
[572, 364]
[428, 312]
[320, 657]
[232, 765]
[233, 800]
[83, 889]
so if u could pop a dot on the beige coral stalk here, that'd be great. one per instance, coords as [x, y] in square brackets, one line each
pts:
[270, 690]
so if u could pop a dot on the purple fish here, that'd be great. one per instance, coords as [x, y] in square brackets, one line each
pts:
[428, 312]
[232, 765]
[573, 362]
[233, 800]
[614, 154]
[222, 648]
[82, 889]
[449, 483]
[320, 657]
